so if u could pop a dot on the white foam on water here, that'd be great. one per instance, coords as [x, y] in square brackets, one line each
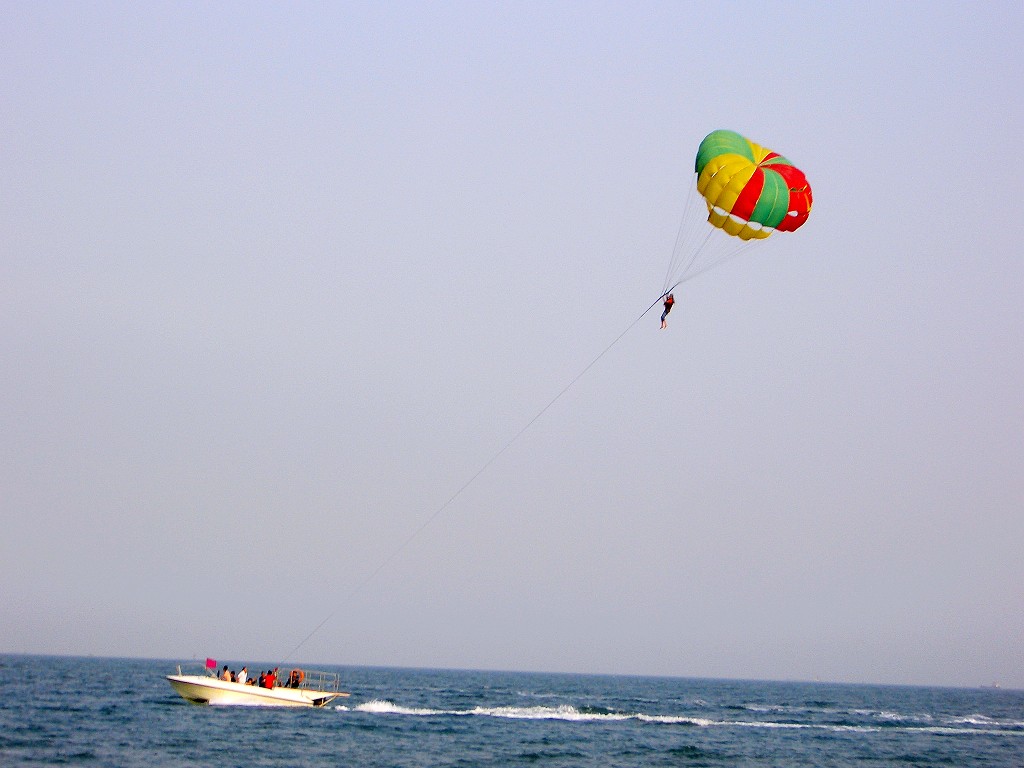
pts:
[384, 707]
[562, 712]
[566, 712]
[676, 720]
[974, 719]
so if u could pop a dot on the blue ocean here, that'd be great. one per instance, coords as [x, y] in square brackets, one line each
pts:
[122, 712]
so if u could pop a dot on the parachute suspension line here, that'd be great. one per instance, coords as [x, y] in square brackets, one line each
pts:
[681, 235]
[718, 259]
[361, 585]
[685, 271]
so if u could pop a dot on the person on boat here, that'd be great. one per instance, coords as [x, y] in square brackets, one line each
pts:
[225, 674]
[669, 301]
[270, 680]
[243, 675]
[263, 679]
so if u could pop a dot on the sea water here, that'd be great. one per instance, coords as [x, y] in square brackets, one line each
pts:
[122, 712]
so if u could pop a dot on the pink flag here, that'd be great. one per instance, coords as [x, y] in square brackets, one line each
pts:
[211, 663]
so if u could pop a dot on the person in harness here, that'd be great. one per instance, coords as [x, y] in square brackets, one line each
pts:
[669, 301]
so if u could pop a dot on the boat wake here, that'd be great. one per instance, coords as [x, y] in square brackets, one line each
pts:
[597, 714]
[561, 712]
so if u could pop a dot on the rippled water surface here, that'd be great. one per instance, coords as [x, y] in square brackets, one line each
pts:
[60, 710]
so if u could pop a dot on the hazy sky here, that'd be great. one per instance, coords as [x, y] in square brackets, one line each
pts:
[278, 279]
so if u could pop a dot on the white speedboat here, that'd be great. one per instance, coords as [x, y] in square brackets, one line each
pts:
[305, 688]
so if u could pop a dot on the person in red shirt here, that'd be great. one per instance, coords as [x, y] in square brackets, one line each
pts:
[669, 301]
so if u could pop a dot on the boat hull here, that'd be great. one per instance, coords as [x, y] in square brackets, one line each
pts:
[200, 689]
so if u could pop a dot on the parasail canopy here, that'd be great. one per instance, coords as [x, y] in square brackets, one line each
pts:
[750, 191]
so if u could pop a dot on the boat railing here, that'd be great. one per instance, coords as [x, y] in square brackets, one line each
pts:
[313, 680]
